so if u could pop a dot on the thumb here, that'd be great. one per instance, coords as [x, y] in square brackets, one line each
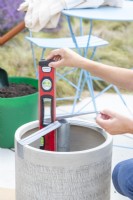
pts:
[107, 112]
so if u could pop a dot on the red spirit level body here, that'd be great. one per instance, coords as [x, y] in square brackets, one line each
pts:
[47, 97]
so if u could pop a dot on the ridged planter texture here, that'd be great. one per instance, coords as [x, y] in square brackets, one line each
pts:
[17, 111]
[83, 173]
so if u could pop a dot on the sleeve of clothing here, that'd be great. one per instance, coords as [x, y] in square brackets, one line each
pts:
[115, 3]
[69, 4]
[72, 3]
[91, 4]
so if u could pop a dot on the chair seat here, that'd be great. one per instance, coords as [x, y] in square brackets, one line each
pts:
[67, 42]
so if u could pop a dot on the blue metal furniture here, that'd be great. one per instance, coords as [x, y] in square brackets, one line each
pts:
[105, 13]
[81, 41]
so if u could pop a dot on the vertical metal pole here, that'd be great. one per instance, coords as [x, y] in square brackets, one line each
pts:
[63, 136]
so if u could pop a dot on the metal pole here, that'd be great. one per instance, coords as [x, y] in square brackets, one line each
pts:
[63, 136]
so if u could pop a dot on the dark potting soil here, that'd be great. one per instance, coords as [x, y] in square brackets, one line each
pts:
[17, 90]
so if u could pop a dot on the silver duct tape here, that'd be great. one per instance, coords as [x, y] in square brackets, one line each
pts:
[35, 136]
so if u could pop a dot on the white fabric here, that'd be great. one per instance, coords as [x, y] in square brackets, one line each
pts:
[116, 3]
[83, 3]
[92, 3]
[41, 13]
[46, 13]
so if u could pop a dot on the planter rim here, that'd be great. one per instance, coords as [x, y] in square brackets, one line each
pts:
[25, 96]
[79, 122]
[21, 77]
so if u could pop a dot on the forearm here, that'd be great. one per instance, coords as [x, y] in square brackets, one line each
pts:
[120, 77]
[130, 126]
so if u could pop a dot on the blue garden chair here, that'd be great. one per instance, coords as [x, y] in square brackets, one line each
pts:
[68, 42]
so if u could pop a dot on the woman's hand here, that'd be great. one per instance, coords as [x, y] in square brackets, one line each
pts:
[65, 57]
[114, 123]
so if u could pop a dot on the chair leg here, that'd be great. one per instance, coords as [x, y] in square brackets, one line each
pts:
[84, 81]
[77, 91]
[121, 97]
[90, 87]
[65, 79]
[34, 59]
[43, 51]
[82, 87]
[88, 80]
[33, 55]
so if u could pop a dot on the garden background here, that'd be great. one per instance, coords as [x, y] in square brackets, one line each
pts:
[16, 57]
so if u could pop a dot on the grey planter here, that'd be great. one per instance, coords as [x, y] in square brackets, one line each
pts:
[84, 173]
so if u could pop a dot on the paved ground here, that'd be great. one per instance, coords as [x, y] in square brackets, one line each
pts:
[122, 145]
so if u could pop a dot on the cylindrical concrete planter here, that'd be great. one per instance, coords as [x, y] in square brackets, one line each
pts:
[16, 111]
[84, 173]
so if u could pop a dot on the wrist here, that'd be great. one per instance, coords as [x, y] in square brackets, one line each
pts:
[82, 63]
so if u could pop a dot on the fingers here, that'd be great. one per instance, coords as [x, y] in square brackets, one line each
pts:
[102, 120]
[64, 57]
[54, 53]
[104, 116]
[55, 64]
[108, 112]
[56, 56]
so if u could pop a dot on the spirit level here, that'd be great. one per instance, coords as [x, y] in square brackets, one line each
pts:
[47, 101]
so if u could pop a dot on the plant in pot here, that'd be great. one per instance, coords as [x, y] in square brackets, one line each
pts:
[18, 105]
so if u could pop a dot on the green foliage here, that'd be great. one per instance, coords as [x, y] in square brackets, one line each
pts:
[16, 57]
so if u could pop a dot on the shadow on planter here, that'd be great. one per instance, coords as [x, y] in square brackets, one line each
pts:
[17, 111]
